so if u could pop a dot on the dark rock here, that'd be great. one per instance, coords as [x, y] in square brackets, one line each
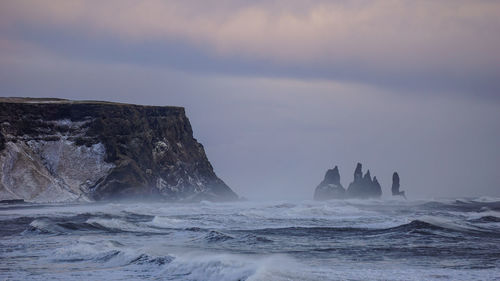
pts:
[395, 186]
[367, 179]
[2, 141]
[358, 172]
[376, 186]
[363, 186]
[330, 187]
[104, 151]
[332, 176]
[12, 201]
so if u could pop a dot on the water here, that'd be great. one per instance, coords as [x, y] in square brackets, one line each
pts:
[335, 240]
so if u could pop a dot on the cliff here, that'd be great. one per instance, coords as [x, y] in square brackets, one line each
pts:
[61, 150]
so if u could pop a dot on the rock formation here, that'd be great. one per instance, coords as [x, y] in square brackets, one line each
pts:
[395, 186]
[363, 186]
[330, 187]
[60, 150]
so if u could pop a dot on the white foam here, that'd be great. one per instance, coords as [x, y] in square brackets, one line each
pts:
[185, 255]
[447, 223]
[221, 267]
[117, 224]
[166, 222]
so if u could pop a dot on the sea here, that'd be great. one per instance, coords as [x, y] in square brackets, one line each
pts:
[439, 239]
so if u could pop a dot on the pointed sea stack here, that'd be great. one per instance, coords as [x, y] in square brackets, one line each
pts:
[330, 187]
[363, 186]
[395, 186]
[358, 173]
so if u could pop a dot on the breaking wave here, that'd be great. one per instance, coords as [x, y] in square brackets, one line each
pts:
[440, 239]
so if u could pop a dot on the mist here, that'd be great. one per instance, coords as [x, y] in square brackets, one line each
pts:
[274, 138]
[278, 94]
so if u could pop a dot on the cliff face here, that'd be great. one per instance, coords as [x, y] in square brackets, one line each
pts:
[59, 150]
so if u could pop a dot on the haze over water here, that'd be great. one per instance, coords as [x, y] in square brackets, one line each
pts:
[277, 92]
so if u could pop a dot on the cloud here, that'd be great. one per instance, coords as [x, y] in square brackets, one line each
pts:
[274, 138]
[450, 43]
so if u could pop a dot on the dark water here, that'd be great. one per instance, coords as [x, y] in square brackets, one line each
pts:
[335, 240]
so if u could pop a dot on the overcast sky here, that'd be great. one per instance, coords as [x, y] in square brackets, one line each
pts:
[280, 91]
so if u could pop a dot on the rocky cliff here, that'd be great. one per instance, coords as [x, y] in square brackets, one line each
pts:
[60, 150]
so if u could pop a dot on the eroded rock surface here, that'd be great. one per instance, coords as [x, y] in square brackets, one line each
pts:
[330, 187]
[60, 150]
[395, 186]
[362, 187]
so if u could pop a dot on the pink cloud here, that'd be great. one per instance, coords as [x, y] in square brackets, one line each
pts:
[385, 34]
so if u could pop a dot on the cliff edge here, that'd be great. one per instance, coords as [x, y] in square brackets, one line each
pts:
[54, 150]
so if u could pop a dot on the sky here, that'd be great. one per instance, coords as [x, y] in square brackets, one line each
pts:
[280, 91]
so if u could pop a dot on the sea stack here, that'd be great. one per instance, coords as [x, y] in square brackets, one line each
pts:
[363, 186]
[330, 187]
[395, 186]
[54, 150]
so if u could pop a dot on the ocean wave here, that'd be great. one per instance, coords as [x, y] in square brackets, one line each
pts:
[48, 226]
[166, 222]
[487, 219]
[215, 236]
[44, 226]
[254, 241]
[75, 225]
[416, 226]
[221, 267]
[236, 238]
[194, 265]
[306, 211]
[121, 225]
[463, 205]
[108, 253]
[146, 259]
[251, 239]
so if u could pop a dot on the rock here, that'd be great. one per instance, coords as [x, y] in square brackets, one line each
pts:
[358, 172]
[363, 186]
[2, 141]
[332, 176]
[395, 186]
[376, 187]
[330, 187]
[61, 150]
[12, 201]
[367, 179]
